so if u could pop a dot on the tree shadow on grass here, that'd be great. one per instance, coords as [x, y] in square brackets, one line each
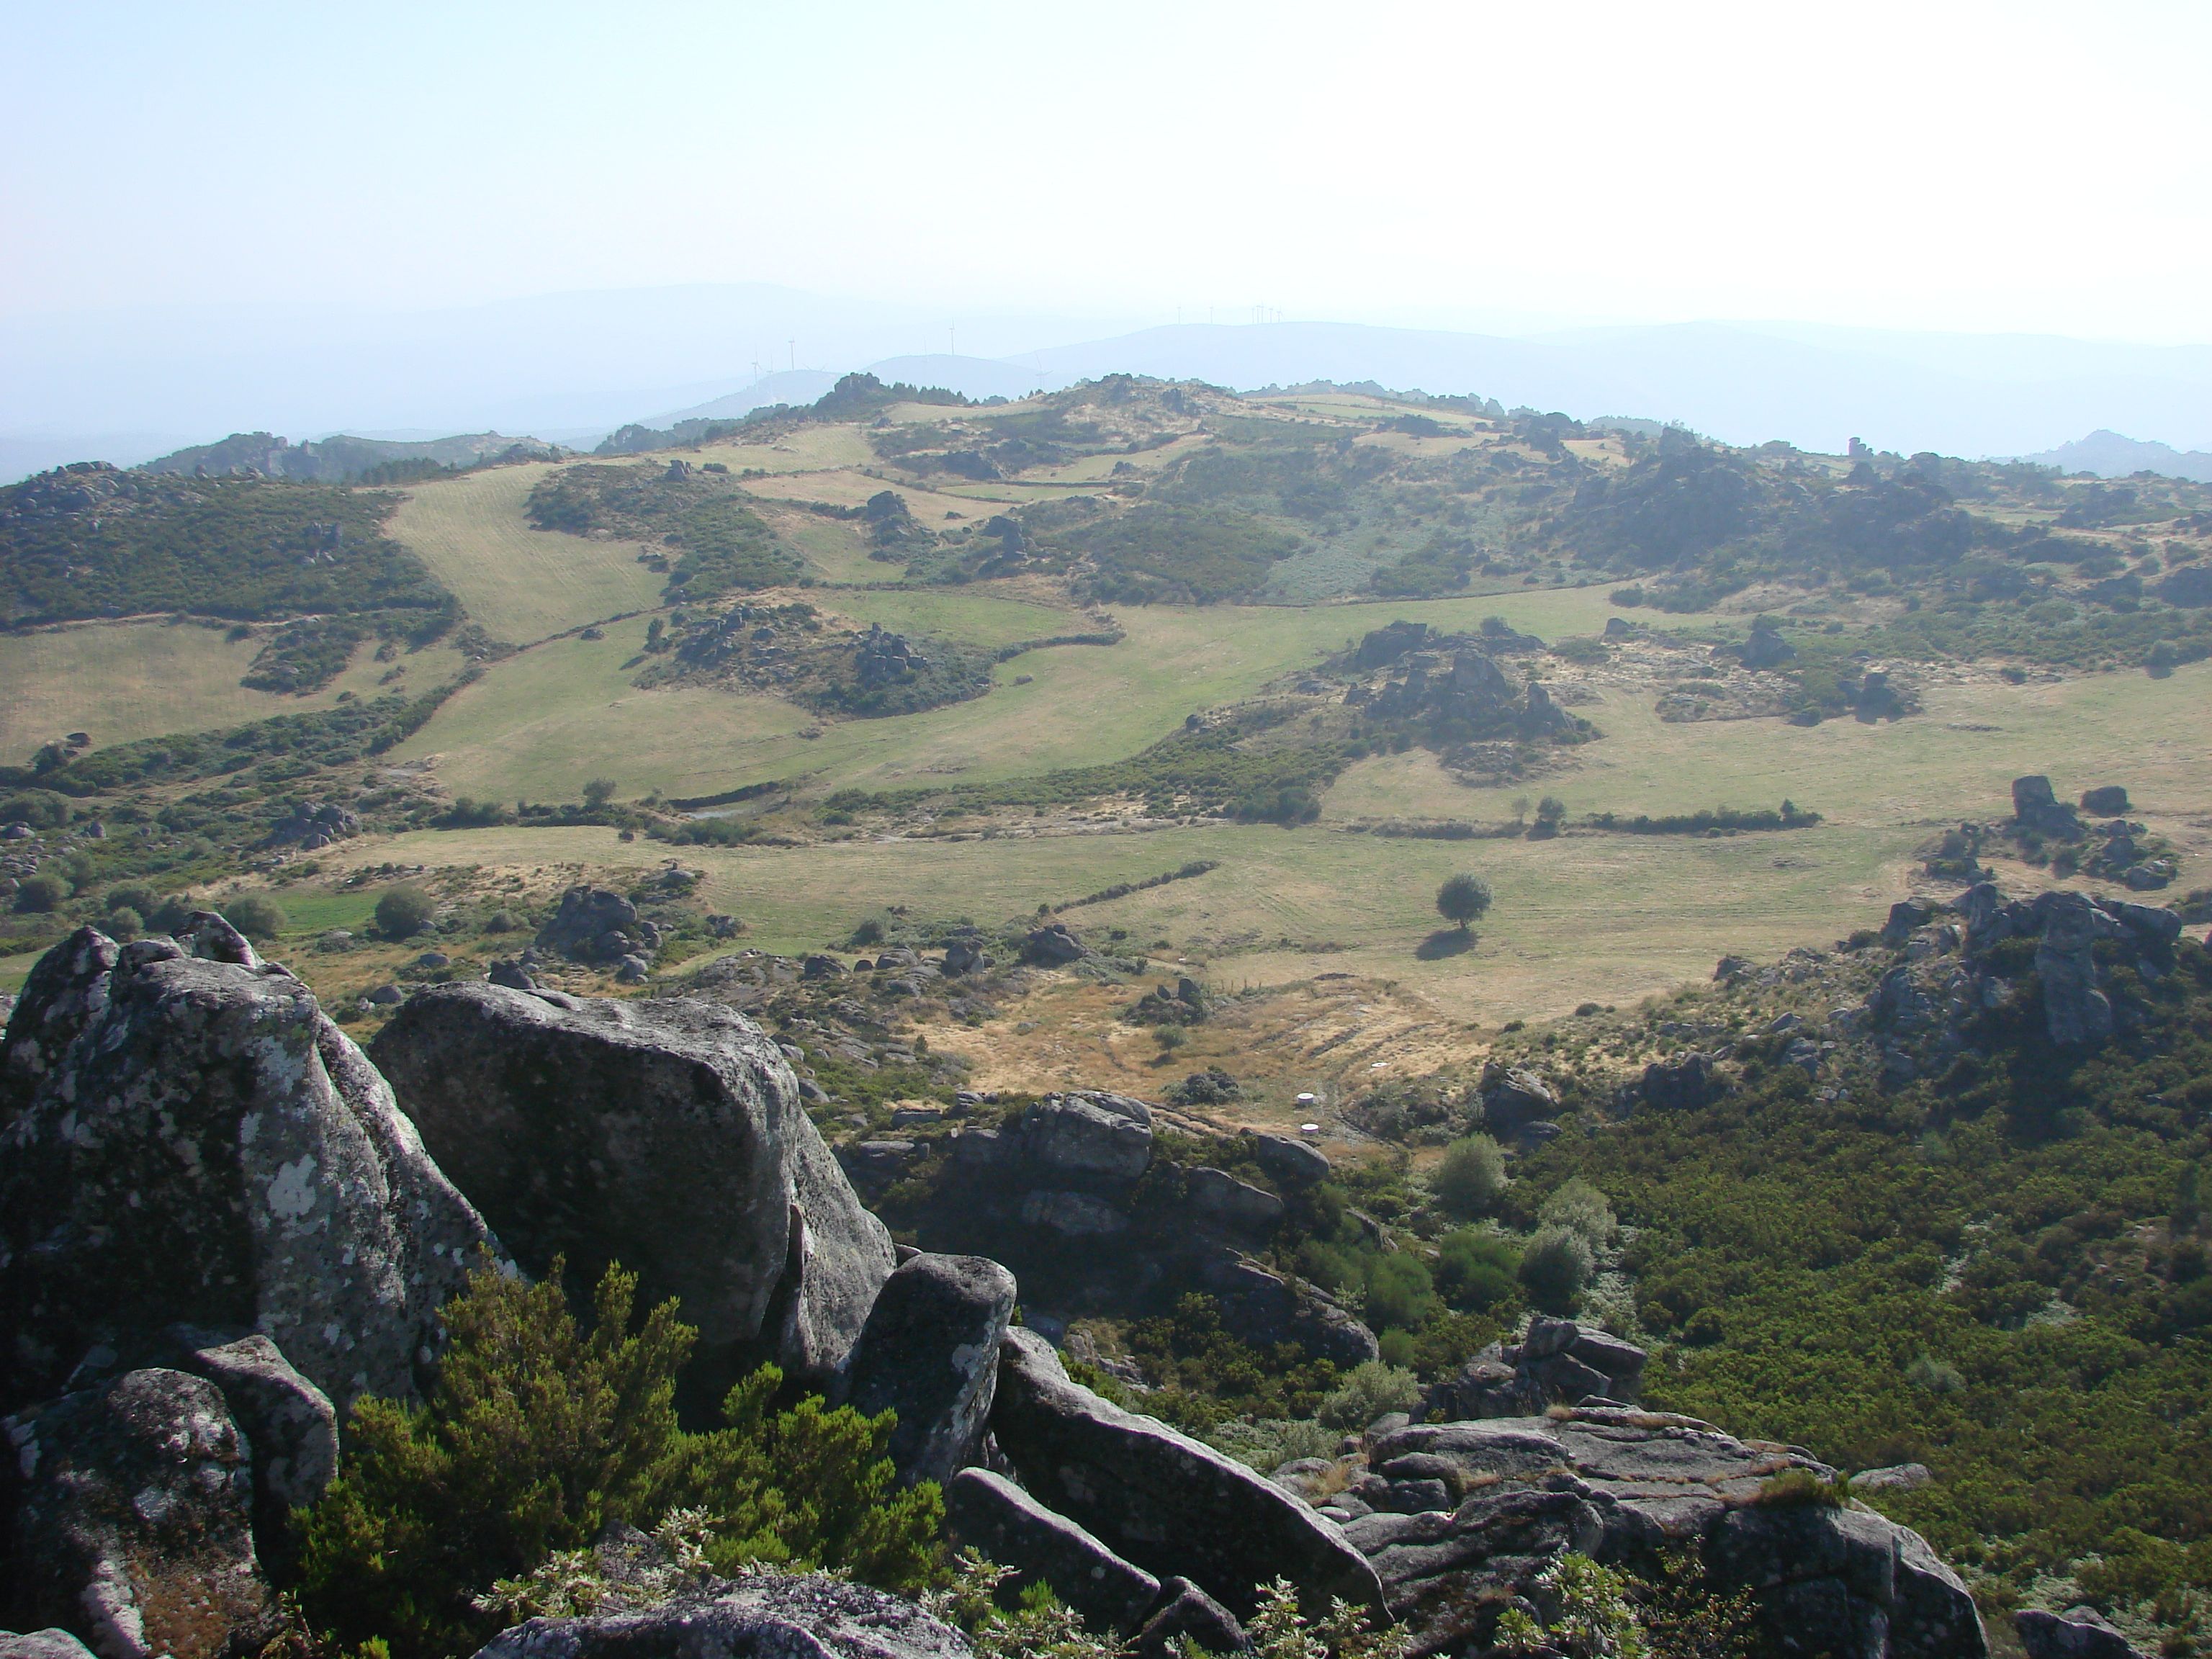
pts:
[1446, 942]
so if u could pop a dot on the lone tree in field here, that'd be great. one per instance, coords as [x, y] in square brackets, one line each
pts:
[1464, 899]
[597, 791]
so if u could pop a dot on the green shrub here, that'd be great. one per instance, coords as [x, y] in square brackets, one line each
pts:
[124, 923]
[539, 1433]
[597, 791]
[1266, 1443]
[1464, 900]
[1582, 1209]
[134, 895]
[256, 915]
[1400, 1292]
[42, 809]
[1370, 1390]
[1556, 1268]
[39, 894]
[1476, 1270]
[1472, 1176]
[403, 912]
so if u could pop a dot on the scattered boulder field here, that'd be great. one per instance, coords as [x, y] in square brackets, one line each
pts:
[223, 1223]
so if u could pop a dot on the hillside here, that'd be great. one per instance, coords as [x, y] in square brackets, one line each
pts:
[1122, 738]
[347, 459]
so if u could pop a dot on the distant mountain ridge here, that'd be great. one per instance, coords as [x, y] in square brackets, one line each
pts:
[2109, 455]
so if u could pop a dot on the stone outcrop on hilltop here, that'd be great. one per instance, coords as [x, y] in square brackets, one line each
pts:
[189, 1139]
[668, 1136]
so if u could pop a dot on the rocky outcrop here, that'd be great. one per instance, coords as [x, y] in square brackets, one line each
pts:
[133, 1521]
[1266, 1307]
[1093, 1134]
[312, 826]
[1159, 1498]
[1683, 1083]
[2036, 808]
[1623, 1484]
[1558, 1362]
[667, 1136]
[1220, 1196]
[768, 1616]
[2077, 1634]
[1054, 946]
[930, 1352]
[1513, 1098]
[1293, 1163]
[990, 1514]
[289, 1423]
[195, 1141]
[48, 1643]
[596, 926]
[2074, 1009]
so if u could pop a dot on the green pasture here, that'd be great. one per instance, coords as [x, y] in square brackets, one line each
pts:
[538, 724]
[1584, 918]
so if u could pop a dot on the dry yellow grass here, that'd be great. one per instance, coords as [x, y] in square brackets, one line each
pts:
[124, 681]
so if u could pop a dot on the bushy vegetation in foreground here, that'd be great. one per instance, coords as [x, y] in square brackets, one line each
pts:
[542, 1429]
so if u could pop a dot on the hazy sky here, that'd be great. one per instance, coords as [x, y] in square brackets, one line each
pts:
[2018, 166]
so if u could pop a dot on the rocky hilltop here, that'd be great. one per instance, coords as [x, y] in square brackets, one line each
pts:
[223, 1224]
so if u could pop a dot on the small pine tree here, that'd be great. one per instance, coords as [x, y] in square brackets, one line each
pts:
[539, 1432]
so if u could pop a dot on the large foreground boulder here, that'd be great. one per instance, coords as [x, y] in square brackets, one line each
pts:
[930, 1352]
[770, 1616]
[1159, 1498]
[133, 1521]
[667, 1136]
[193, 1140]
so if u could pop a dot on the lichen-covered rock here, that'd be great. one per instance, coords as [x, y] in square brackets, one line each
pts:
[1160, 1499]
[667, 1136]
[769, 1616]
[1222, 1197]
[1093, 1134]
[197, 1143]
[930, 1352]
[48, 1643]
[288, 1422]
[988, 1513]
[594, 925]
[2077, 1634]
[1293, 1162]
[132, 1523]
[2075, 1010]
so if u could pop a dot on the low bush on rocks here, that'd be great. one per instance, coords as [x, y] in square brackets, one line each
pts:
[542, 1430]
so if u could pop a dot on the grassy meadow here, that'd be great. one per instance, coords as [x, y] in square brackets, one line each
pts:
[123, 681]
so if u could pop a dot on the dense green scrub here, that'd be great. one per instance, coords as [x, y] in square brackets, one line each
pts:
[90, 541]
[1999, 1272]
[718, 544]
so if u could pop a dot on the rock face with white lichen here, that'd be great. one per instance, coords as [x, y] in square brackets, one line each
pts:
[188, 1139]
